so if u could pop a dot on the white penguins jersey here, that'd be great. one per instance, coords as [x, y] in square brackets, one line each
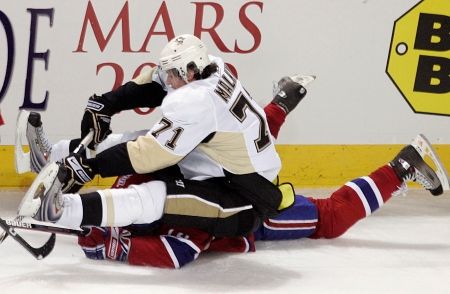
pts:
[208, 126]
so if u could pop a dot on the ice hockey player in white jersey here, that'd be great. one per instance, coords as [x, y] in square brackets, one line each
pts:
[207, 115]
[214, 117]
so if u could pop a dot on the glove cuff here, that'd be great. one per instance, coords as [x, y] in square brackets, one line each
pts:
[92, 163]
[100, 104]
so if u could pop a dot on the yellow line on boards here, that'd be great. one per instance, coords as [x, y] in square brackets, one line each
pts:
[303, 165]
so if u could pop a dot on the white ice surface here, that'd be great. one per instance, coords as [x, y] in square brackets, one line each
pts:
[402, 248]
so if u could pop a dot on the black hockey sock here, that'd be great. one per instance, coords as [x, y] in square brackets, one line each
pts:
[92, 209]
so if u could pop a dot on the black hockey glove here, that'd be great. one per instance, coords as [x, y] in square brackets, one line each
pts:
[78, 172]
[97, 116]
[289, 94]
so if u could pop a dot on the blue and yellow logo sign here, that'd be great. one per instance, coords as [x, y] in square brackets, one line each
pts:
[419, 57]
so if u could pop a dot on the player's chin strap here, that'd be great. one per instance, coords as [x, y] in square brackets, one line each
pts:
[32, 201]
[423, 146]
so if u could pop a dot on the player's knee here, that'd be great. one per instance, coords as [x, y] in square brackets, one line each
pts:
[152, 196]
[137, 204]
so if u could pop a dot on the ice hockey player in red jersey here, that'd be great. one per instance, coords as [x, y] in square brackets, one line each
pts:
[173, 247]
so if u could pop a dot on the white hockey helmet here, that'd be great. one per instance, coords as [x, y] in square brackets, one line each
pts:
[182, 53]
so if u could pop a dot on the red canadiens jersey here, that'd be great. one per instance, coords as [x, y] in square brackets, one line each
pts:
[172, 247]
[175, 247]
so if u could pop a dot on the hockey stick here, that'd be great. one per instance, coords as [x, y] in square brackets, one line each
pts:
[19, 224]
[37, 252]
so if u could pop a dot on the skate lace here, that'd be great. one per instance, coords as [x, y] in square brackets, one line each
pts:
[401, 190]
[418, 177]
[421, 179]
[43, 141]
[410, 177]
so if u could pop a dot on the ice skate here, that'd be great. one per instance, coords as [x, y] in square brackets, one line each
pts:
[51, 207]
[289, 91]
[47, 183]
[410, 166]
[303, 80]
[40, 147]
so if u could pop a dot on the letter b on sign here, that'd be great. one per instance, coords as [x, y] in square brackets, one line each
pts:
[433, 72]
[433, 75]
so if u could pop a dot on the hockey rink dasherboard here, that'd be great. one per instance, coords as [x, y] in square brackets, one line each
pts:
[404, 247]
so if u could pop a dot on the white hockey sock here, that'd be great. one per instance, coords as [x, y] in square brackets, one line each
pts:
[137, 204]
[73, 211]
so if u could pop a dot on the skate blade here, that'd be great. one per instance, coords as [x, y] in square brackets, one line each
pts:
[21, 158]
[303, 79]
[423, 146]
[299, 78]
[31, 202]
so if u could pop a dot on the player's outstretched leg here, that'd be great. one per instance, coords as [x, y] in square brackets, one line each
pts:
[291, 90]
[410, 166]
[40, 147]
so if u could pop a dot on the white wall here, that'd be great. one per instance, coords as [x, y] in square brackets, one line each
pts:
[345, 43]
